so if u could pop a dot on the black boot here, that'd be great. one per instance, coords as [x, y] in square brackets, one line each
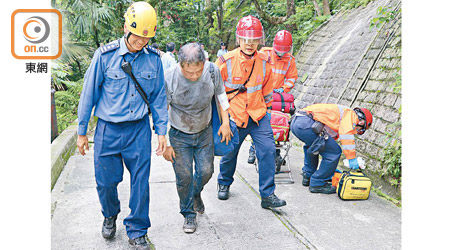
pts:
[325, 189]
[272, 201]
[306, 180]
[109, 227]
[224, 192]
[140, 243]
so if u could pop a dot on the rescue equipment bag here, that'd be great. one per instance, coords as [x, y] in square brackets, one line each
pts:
[283, 102]
[280, 125]
[354, 185]
[221, 148]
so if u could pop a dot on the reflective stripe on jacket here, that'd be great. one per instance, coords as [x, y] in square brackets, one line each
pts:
[284, 69]
[235, 69]
[340, 119]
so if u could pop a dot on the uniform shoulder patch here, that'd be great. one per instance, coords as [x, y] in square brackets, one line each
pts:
[152, 49]
[109, 47]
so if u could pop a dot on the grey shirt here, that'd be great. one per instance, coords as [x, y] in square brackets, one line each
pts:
[190, 102]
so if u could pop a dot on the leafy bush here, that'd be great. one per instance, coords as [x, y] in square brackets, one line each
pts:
[384, 15]
[392, 159]
[66, 103]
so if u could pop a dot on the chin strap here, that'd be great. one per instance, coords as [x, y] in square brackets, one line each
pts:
[248, 55]
[127, 36]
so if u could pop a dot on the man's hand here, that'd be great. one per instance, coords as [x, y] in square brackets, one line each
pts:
[162, 145]
[225, 132]
[169, 154]
[82, 144]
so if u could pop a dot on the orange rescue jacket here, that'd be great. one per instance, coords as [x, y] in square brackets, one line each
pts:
[284, 69]
[341, 122]
[235, 69]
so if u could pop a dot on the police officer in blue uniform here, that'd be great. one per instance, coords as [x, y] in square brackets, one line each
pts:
[123, 133]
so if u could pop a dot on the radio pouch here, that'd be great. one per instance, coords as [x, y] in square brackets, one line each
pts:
[317, 127]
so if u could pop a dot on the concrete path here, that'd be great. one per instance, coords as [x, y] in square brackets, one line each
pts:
[308, 221]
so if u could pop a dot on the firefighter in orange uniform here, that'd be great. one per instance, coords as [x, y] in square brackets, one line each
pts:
[340, 122]
[247, 78]
[284, 72]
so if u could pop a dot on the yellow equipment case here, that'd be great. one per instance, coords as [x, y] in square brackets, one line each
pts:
[354, 186]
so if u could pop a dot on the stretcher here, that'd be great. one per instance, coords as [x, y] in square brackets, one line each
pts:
[280, 127]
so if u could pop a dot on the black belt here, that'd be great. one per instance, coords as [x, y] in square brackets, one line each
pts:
[303, 113]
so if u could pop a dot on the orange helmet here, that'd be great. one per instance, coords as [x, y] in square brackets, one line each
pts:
[282, 43]
[249, 28]
[364, 114]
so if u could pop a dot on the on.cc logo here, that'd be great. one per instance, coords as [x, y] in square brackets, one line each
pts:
[36, 34]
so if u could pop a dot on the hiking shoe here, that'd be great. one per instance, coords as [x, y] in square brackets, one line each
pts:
[140, 243]
[109, 227]
[224, 192]
[198, 204]
[325, 189]
[306, 180]
[251, 157]
[272, 201]
[190, 225]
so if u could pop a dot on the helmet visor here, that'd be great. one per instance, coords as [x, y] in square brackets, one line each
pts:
[250, 36]
[281, 49]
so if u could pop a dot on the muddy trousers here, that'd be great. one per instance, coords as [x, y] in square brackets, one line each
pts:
[117, 144]
[262, 136]
[301, 127]
[195, 148]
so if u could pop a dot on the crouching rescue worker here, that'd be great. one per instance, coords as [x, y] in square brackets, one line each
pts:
[247, 77]
[190, 88]
[284, 73]
[123, 134]
[339, 122]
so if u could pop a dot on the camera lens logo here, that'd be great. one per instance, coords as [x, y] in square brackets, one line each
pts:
[36, 30]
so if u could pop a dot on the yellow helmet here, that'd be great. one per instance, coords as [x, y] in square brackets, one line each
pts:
[140, 19]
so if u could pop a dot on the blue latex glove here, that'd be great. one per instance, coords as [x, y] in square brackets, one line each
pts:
[280, 90]
[269, 115]
[353, 164]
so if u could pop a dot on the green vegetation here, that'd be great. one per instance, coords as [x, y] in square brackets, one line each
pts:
[384, 15]
[392, 157]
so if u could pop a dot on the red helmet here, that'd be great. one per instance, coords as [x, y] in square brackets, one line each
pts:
[282, 43]
[364, 114]
[250, 28]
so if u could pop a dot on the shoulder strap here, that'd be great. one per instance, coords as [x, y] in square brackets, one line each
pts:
[126, 66]
[152, 49]
[246, 81]
[214, 98]
[110, 46]
[283, 104]
[211, 70]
